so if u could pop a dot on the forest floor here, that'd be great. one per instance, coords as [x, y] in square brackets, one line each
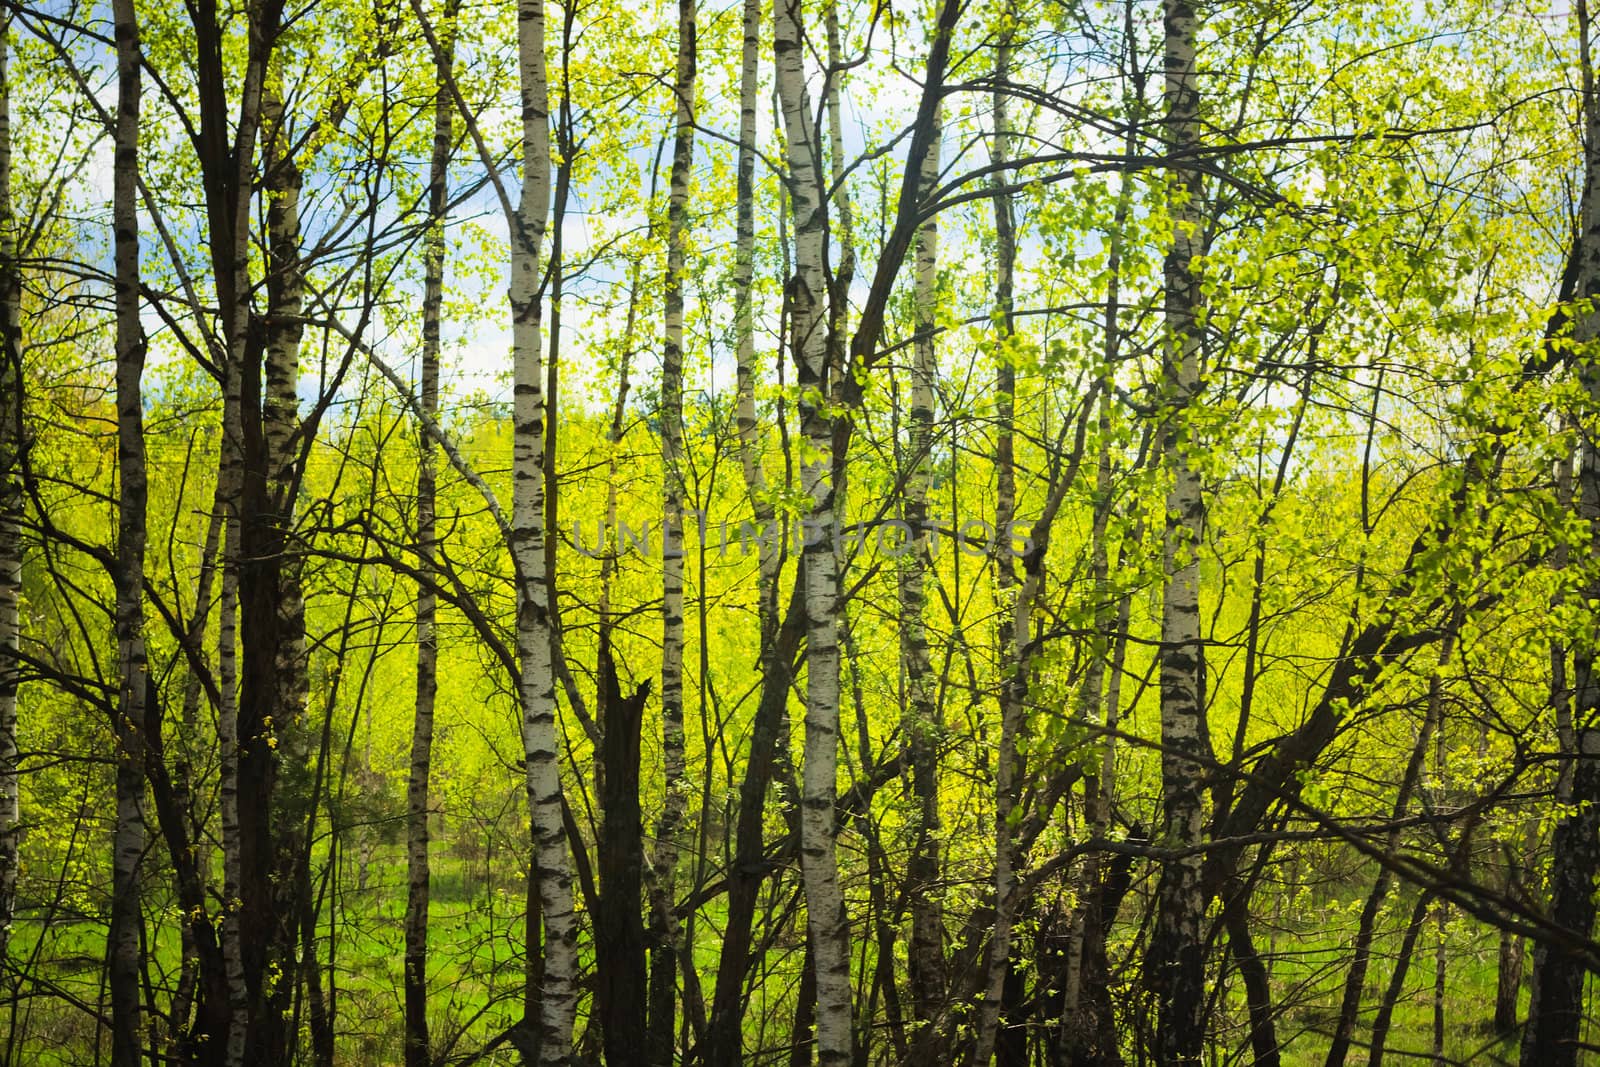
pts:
[477, 965]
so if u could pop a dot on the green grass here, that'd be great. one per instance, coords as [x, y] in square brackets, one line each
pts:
[475, 974]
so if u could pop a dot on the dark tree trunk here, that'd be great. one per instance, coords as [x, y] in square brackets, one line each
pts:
[619, 939]
[803, 1044]
[749, 867]
[1258, 990]
[1011, 1039]
[1355, 978]
[1555, 1015]
[1397, 981]
[1508, 982]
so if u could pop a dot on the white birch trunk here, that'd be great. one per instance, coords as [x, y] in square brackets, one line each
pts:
[280, 422]
[11, 499]
[232, 262]
[670, 827]
[288, 739]
[1012, 708]
[418, 870]
[230, 478]
[1178, 949]
[1013, 687]
[125, 936]
[750, 457]
[922, 726]
[558, 993]
[808, 341]
[846, 243]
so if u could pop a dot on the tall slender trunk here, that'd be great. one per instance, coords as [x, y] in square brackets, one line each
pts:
[839, 254]
[1013, 700]
[745, 875]
[1016, 636]
[558, 994]
[1258, 987]
[607, 542]
[1176, 969]
[1088, 1024]
[1560, 696]
[621, 986]
[843, 229]
[277, 749]
[418, 872]
[750, 437]
[1095, 701]
[186, 806]
[665, 931]
[1397, 981]
[11, 500]
[629, 990]
[1556, 1014]
[1011, 845]
[1096, 808]
[555, 272]
[229, 477]
[802, 1042]
[808, 343]
[922, 727]
[1441, 960]
[1005, 566]
[227, 148]
[1005, 232]
[1508, 982]
[126, 934]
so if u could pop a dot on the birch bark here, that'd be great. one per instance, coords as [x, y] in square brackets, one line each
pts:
[665, 929]
[745, 875]
[418, 868]
[227, 149]
[1013, 687]
[230, 477]
[11, 499]
[277, 757]
[125, 936]
[558, 993]
[744, 325]
[1178, 949]
[922, 726]
[808, 343]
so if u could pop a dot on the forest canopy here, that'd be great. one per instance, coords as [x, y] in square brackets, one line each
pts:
[988, 532]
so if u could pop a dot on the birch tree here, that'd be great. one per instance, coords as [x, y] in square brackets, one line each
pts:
[725, 1037]
[558, 994]
[418, 794]
[228, 168]
[828, 929]
[666, 934]
[126, 935]
[993, 304]
[1177, 948]
[922, 725]
[11, 503]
